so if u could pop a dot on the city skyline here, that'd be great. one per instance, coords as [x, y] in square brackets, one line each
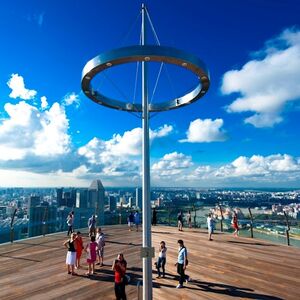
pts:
[243, 133]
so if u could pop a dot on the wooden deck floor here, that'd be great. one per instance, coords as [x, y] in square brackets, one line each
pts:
[225, 268]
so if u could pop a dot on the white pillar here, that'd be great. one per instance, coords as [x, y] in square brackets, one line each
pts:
[147, 261]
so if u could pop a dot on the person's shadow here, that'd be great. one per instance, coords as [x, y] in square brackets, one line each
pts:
[224, 289]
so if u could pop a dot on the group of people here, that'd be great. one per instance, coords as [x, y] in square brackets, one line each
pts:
[134, 219]
[94, 250]
[211, 225]
[181, 263]
[180, 220]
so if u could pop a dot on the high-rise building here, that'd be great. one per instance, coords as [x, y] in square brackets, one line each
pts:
[34, 201]
[112, 203]
[139, 198]
[97, 199]
[82, 197]
[130, 201]
[59, 197]
[42, 217]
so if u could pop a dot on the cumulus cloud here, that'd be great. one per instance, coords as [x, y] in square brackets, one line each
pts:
[71, 99]
[171, 164]
[276, 166]
[128, 144]
[120, 155]
[44, 103]
[30, 132]
[268, 82]
[205, 131]
[17, 85]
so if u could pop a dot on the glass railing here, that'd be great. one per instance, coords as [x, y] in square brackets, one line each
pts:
[46, 220]
[280, 228]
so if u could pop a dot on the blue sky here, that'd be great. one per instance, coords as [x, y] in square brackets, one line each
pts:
[243, 133]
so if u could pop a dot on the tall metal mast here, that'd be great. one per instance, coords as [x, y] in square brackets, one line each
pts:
[147, 261]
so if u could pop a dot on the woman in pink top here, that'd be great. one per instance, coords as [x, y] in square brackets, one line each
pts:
[91, 250]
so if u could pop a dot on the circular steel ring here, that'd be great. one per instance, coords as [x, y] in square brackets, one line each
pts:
[146, 53]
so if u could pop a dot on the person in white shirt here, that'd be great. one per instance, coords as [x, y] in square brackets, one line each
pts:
[161, 261]
[100, 239]
[210, 226]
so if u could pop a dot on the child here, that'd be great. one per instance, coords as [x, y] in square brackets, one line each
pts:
[100, 239]
[71, 254]
[91, 250]
[79, 248]
[161, 261]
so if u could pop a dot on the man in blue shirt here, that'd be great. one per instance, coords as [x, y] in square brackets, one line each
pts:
[181, 264]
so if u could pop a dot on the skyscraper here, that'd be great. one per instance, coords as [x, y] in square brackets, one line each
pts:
[112, 203]
[59, 197]
[96, 199]
[139, 198]
[42, 217]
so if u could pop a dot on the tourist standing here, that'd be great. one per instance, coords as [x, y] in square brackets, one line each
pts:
[100, 239]
[161, 261]
[154, 217]
[70, 222]
[181, 264]
[71, 254]
[92, 225]
[79, 247]
[137, 220]
[119, 267]
[235, 224]
[130, 221]
[91, 250]
[189, 219]
[180, 221]
[210, 226]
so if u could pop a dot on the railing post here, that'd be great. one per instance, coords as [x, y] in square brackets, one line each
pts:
[12, 226]
[220, 208]
[169, 212]
[120, 214]
[288, 228]
[251, 221]
[194, 209]
[44, 221]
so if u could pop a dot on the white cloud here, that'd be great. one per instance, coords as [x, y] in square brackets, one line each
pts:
[44, 103]
[171, 164]
[276, 165]
[128, 144]
[52, 138]
[267, 83]
[30, 132]
[205, 131]
[17, 85]
[71, 99]
[119, 156]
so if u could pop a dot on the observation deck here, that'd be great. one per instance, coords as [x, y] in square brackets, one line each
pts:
[224, 268]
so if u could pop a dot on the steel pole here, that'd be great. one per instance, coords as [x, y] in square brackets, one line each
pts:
[147, 261]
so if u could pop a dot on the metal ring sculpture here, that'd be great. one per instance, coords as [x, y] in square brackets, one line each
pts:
[145, 53]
